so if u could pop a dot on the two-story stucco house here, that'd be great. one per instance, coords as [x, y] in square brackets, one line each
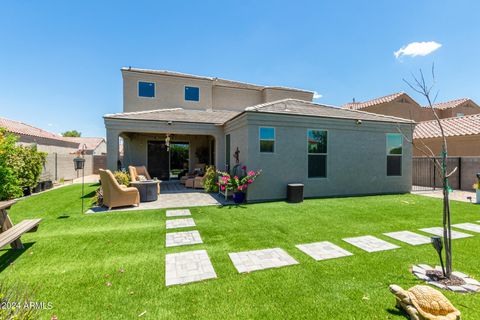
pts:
[332, 151]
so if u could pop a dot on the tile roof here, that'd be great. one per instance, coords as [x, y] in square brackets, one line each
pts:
[178, 114]
[216, 81]
[306, 108]
[451, 104]
[365, 104]
[462, 126]
[26, 129]
[91, 143]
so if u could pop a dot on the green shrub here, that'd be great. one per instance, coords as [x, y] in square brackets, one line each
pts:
[122, 177]
[20, 166]
[9, 185]
[210, 182]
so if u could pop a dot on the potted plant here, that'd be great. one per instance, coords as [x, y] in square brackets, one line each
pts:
[238, 185]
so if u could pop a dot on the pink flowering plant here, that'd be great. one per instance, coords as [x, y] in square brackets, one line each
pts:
[235, 183]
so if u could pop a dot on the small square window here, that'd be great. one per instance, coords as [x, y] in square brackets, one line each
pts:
[459, 115]
[192, 93]
[146, 89]
[267, 140]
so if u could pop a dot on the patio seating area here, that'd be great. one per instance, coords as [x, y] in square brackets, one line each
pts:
[173, 194]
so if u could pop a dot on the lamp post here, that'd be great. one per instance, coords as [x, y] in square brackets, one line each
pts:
[79, 164]
[438, 245]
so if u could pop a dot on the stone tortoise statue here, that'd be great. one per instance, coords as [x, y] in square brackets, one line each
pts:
[424, 303]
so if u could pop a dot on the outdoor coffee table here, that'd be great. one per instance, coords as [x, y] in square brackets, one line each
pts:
[148, 190]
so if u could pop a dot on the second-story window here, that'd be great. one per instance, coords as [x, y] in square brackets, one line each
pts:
[192, 93]
[146, 89]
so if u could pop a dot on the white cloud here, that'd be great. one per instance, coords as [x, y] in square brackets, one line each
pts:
[50, 124]
[417, 49]
[316, 95]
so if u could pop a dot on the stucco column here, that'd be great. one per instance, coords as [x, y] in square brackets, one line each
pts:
[220, 152]
[112, 148]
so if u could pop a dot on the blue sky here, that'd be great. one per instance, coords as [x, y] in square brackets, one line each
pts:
[60, 60]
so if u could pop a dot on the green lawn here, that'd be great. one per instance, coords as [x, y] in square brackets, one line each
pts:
[72, 256]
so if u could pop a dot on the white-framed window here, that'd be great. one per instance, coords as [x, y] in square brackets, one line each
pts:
[394, 154]
[317, 141]
[459, 114]
[146, 89]
[266, 137]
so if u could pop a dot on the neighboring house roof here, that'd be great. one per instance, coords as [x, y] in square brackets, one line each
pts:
[216, 81]
[21, 128]
[452, 104]
[373, 102]
[306, 108]
[286, 106]
[91, 143]
[178, 114]
[461, 126]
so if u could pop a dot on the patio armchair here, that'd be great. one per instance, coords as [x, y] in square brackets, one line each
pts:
[198, 167]
[140, 171]
[196, 182]
[116, 195]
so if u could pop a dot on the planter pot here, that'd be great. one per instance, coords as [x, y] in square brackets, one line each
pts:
[48, 185]
[478, 197]
[26, 191]
[37, 189]
[239, 197]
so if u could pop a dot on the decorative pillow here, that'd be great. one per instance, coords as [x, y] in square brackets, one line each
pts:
[141, 177]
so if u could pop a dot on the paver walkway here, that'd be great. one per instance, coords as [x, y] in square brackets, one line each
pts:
[323, 250]
[180, 223]
[468, 226]
[185, 238]
[409, 237]
[178, 213]
[188, 267]
[248, 261]
[370, 243]
[438, 231]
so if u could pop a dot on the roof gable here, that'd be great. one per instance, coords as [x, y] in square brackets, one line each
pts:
[378, 101]
[453, 104]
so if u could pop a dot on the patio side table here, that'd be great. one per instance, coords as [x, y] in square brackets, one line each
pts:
[147, 190]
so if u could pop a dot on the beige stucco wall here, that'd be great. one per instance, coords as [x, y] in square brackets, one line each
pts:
[457, 146]
[170, 93]
[274, 94]
[356, 161]
[227, 98]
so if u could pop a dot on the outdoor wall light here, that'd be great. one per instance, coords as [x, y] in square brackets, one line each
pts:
[169, 123]
[359, 122]
[438, 245]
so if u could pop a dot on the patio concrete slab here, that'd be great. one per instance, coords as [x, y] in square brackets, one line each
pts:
[323, 250]
[186, 267]
[180, 223]
[409, 237]
[468, 226]
[248, 261]
[370, 243]
[457, 195]
[178, 213]
[438, 231]
[185, 238]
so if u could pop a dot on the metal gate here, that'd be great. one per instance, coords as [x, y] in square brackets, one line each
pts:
[426, 176]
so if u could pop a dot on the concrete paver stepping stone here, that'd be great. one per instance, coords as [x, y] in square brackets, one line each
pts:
[468, 226]
[178, 213]
[370, 243]
[248, 261]
[438, 231]
[184, 238]
[323, 250]
[188, 267]
[412, 238]
[180, 223]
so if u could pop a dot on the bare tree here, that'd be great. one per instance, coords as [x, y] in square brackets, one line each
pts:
[420, 86]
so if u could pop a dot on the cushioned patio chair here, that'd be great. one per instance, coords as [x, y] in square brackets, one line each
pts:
[135, 172]
[198, 168]
[116, 195]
